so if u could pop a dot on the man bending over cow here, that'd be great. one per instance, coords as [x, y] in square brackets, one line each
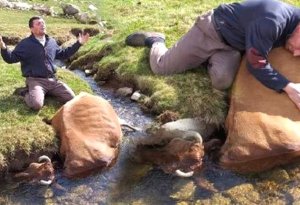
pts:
[36, 54]
[253, 26]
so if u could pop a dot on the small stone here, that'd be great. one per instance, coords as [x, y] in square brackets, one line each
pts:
[87, 72]
[136, 96]
[92, 7]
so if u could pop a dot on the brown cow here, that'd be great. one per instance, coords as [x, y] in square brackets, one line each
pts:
[90, 135]
[42, 172]
[176, 152]
[263, 125]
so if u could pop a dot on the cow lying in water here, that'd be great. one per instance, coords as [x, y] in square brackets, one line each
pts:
[175, 152]
[90, 135]
[42, 172]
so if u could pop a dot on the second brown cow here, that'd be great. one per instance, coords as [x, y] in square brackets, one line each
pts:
[90, 135]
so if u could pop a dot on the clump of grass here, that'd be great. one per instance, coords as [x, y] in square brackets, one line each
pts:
[90, 55]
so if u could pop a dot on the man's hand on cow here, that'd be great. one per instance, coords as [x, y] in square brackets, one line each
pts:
[83, 38]
[2, 44]
[293, 91]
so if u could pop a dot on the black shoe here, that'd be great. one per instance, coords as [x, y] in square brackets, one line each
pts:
[144, 38]
[21, 91]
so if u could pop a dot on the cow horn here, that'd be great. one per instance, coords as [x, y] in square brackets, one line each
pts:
[180, 173]
[44, 157]
[193, 135]
[45, 182]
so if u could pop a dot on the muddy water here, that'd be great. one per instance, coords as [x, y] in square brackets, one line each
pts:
[131, 183]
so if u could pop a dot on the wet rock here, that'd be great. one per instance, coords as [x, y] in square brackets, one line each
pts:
[70, 9]
[126, 91]
[243, 194]
[136, 96]
[192, 124]
[184, 190]
[88, 72]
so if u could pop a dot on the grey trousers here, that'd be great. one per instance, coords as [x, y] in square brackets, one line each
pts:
[201, 43]
[39, 87]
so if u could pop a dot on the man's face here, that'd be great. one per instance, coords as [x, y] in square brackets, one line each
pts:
[293, 44]
[38, 27]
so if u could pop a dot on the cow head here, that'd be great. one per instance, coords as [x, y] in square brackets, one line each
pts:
[176, 152]
[42, 172]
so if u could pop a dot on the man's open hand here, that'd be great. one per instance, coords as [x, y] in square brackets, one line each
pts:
[2, 44]
[83, 38]
[293, 91]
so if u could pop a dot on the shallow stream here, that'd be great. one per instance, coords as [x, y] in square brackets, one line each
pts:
[131, 183]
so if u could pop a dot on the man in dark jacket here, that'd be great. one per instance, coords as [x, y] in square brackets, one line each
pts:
[36, 54]
[219, 36]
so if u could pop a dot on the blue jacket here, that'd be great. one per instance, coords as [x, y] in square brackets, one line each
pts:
[36, 59]
[257, 26]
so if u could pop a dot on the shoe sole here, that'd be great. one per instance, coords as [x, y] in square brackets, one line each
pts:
[138, 39]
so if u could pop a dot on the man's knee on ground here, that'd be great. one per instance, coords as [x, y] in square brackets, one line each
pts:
[221, 83]
[67, 98]
[162, 70]
[158, 72]
[36, 105]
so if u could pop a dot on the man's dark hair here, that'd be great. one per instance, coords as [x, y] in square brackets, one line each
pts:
[30, 23]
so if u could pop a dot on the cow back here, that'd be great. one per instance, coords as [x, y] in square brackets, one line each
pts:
[90, 135]
[263, 126]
